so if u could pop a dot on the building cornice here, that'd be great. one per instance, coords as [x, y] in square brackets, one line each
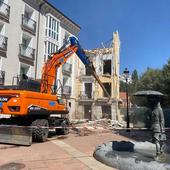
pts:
[47, 7]
[52, 6]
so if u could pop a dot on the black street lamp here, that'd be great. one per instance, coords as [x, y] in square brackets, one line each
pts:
[126, 76]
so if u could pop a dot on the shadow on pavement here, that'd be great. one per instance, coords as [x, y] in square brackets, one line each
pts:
[53, 136]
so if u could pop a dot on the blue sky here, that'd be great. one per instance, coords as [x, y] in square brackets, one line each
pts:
[143, 25]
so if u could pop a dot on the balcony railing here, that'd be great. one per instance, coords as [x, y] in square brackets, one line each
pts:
[27, 52]
[4, 11]
[86, 95]
[67, 68]
[85, 76]
[2, 77]
[28, 24]
[67, 90]
[3, 43]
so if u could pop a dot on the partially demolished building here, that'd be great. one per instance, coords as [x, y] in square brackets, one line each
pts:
[92, 102]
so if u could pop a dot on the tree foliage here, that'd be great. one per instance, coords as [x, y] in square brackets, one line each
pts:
[166, 78]
[131, 84]
[151, 79]
[134, 81]
[122, 86]
[135, 76]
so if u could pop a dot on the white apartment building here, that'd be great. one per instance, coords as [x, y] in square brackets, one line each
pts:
[30, 30]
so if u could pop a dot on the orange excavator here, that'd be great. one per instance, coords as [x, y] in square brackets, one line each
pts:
[33, 105]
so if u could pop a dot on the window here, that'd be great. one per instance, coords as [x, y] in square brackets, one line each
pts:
[25, 42]
[52, 35]
[107, 67]
[65, 79]
[28, 13]
[26, 46]
[88, 90]
[1, 2]
[106, 112]
[24, 69]
[66, 37]
[88, 71]
[2, 29]
[50, 48]
[52, 28]
[88, 112]
[108, 89]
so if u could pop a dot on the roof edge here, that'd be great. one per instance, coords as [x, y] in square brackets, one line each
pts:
[46, 1]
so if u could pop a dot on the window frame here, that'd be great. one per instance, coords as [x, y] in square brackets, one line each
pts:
[52, 27]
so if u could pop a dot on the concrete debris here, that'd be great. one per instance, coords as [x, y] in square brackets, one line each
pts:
[78, 121]
[115, 123]
[85, 131]
[84, 127]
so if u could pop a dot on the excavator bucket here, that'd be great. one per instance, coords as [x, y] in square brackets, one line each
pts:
[16, 135]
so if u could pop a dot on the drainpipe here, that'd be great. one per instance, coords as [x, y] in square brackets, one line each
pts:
[38, 34]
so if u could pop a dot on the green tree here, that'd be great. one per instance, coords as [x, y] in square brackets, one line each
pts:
[166, 78]
[133, 84]
[151, 80]
[135, 76]
[122, 86]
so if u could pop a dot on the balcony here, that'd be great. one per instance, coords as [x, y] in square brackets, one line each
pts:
[86, 97]
[67, 68]
[86, 75]
[67, 90]
[3, 45]
[4, 11]
[28, 25]
[26, 54]
[87, 78]
[2, 77]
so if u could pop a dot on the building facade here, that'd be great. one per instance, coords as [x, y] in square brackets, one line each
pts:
[30, 30]
[92, 102]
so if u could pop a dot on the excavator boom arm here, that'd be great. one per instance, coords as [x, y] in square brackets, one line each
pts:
[59, 58]
[85, 60]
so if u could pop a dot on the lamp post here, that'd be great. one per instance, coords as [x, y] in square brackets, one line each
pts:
[126, 75]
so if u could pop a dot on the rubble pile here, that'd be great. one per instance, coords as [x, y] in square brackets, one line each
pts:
[85, 127]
